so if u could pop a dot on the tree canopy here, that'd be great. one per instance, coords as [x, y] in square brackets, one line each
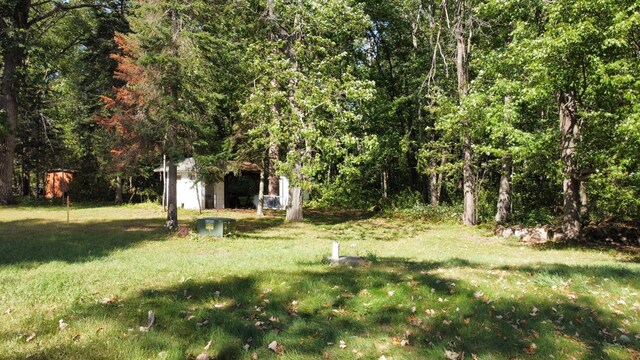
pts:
[507, 111]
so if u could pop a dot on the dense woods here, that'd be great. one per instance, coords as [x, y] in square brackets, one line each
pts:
[500, 110]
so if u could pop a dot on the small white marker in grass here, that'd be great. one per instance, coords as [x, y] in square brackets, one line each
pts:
[335, 251]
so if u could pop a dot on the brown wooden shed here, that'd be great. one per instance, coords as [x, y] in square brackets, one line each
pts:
[58, 181]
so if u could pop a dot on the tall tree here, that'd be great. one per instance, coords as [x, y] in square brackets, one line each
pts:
[307, 92]
[20, 22]
[462, 29]
[168, 97]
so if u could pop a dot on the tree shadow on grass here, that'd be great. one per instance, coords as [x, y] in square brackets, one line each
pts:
[629, 253]
[314, 217]
[335, 217]
[34, 241]
[258, 224]
[562, 270]
[393, 307]
[58, 204]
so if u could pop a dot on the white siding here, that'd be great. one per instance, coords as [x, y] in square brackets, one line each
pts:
[284, 191]
[190, 193]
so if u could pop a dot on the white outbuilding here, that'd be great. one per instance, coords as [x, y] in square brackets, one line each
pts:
[232, 191]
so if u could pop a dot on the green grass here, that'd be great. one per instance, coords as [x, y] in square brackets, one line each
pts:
[436, 286]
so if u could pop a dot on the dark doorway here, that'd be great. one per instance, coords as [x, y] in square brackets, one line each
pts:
[239, 191]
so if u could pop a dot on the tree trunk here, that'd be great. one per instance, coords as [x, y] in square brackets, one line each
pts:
[260, 207]
[25, 180]
[462, 70]
[385, 184]
[434, 188]
[294, 206]
[164, 182]
[434, 197]
[8, 106]
[469, 212]
[504, 193]
[584, 208]
[12, 56]
[133, 190]
[119, 199]
[172, 197]
[274, 180]
[570, 132]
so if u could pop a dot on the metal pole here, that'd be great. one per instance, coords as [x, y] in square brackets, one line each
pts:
[67, 209]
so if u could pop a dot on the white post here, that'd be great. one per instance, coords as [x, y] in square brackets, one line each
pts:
[335, 252]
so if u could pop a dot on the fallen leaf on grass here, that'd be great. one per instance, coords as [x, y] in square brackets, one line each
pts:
[531, 349]
[534, 311]
[276, 348]
[452, 355]
[203, 356]
[414, 320]
[62, 325]
[293, 308]
[28, 336]
[208, 345]
[109, 300]
[343, 345]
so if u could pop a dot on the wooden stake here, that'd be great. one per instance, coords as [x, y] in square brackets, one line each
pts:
[67, 209]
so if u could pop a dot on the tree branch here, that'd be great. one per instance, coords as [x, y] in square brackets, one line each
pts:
[58, 8]
[41, 3]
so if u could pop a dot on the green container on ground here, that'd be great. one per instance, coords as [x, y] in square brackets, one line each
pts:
[215, 226]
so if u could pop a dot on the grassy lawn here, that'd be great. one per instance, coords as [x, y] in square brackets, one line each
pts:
[428, 290]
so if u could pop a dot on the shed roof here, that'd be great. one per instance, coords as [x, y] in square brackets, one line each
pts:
[189, 164]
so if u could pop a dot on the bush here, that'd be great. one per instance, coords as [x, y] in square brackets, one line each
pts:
[409, 203]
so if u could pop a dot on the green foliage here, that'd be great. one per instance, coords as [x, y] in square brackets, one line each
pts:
[360, 97]
[410, 204]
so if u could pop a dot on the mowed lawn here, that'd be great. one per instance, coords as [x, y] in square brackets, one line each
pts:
[84, 290]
